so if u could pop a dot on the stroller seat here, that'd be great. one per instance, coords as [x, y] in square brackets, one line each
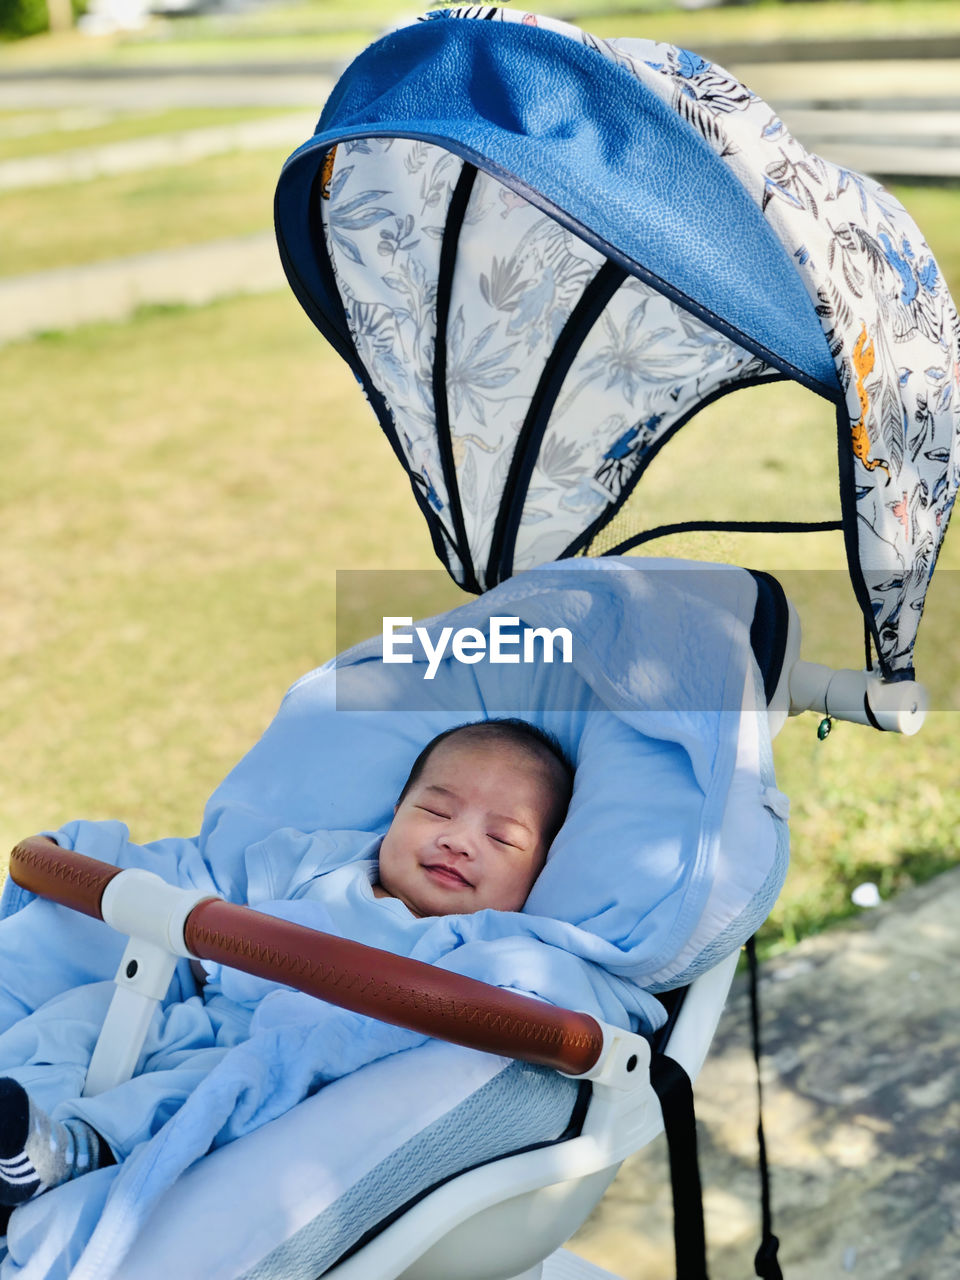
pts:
[405, 1167]
[428, 1217]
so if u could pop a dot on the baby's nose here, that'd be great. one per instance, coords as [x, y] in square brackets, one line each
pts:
[459, 837]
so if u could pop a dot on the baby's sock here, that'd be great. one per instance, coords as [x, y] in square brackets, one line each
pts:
[37, 1153]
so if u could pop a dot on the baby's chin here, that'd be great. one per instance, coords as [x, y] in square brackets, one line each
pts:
[461, 904]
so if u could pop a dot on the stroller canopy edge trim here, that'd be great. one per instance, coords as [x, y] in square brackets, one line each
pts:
[429, 72]
[827, 390]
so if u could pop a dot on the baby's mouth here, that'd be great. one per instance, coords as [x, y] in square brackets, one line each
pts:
[446, 875]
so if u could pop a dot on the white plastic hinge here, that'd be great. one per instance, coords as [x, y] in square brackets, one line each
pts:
[624, 1061]
[141, 905]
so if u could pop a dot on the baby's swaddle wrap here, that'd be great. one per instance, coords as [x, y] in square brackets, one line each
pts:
[651, 711]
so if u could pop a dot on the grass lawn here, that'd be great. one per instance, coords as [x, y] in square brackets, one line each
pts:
[43, 133]
[228, 195]
[170, 539]
[179, 494]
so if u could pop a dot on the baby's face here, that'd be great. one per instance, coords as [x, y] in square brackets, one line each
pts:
[471, 832]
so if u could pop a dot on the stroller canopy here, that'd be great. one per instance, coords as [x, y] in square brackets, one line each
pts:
[541, 253]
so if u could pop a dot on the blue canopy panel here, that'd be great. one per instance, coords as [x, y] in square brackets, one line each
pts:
[534, 288]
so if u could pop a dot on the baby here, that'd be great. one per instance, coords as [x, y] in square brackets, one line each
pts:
[470, 831]
[475, 819]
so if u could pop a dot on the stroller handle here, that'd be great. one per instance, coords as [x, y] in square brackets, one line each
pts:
[41, 866]
[364, 979]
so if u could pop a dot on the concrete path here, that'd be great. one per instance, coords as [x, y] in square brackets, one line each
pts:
[892, 119]
[82, 164]
[889, 119]
[861, 1029]
[888, 84]
[900, 162]
[893, 86]
[113, 290]
[826, 49]
[296, 86]
[916, 142]
[920, 141]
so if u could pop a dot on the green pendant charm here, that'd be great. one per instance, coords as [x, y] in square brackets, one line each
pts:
[824, 727]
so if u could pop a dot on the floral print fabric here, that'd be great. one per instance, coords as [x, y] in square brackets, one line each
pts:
[881, 299]
[644, 366]
[517, 279]
[385, 253]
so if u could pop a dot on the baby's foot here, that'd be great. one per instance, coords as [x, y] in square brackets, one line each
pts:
[37, 1153]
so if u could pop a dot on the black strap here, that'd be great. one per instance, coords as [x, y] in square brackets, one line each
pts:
[765, 1262]
[672, 1086]
[868, 663]
[724, 526]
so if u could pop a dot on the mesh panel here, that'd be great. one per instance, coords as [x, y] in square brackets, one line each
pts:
[520, 1107]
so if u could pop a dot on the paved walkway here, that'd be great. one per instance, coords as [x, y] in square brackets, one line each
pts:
[82, 164]
[150, 90]
[890, 118]
[825, 49]
[861, 1028]
[921, 141]
[915, 142]
[113, 290]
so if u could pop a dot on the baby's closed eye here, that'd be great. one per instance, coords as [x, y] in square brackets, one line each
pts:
[509, 844]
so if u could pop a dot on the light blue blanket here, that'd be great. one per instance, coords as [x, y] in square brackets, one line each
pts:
[650, 708]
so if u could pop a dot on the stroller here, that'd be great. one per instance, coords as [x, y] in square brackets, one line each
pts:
[536, 290]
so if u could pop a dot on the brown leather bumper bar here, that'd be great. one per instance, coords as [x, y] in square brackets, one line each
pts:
[40, 865]
[346, 973]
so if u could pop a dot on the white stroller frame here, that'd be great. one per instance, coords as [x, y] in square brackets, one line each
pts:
[505, 1220]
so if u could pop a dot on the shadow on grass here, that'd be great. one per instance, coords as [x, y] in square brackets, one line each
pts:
[911, 867]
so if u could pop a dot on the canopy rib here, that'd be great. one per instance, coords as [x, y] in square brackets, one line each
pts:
[441, 407]
[581, 320]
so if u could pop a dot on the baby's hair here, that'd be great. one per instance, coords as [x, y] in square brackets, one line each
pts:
[540, 744]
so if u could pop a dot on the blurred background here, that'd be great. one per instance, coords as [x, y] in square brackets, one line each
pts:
[186, 466]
